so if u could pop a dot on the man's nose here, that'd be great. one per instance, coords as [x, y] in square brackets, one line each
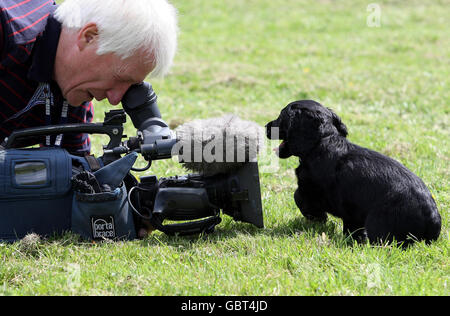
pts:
[115, 95]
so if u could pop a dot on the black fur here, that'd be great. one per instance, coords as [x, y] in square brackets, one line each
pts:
[376, 196]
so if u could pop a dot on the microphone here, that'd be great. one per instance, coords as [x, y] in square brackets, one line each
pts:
[218, 145]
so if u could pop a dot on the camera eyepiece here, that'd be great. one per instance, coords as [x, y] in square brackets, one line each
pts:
[156, 138]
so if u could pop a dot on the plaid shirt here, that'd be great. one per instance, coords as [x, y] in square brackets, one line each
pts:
[29, 38]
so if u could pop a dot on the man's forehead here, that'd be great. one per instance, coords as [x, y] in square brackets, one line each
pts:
[133, 69]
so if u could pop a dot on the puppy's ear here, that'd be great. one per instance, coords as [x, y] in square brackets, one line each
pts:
[342, 129]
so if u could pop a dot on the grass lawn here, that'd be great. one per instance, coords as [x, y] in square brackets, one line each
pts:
[389, 84]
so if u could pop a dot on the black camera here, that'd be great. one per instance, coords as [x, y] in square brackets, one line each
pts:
[188, 204]
[191, 202]
[196, 200]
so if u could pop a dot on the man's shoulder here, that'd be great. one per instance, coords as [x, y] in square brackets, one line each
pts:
[24, 20]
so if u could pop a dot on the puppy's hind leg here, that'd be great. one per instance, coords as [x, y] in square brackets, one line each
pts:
[309, 208]
[355, 231]
[381, 228]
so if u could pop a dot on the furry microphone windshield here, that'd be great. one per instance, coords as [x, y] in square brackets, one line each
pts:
[218, 145]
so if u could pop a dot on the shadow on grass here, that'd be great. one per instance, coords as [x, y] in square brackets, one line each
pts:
[328, 232]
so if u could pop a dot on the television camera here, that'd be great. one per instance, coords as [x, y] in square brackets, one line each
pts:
[183, 205]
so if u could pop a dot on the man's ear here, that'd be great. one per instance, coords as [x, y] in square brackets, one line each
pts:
[87, 36]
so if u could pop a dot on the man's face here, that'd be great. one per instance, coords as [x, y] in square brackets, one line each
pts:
[107, 76]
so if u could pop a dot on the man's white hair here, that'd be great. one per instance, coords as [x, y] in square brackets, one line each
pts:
[126, 26]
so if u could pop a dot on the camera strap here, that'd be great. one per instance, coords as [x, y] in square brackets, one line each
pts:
[49, 103]
[43, 95]
[36, 99]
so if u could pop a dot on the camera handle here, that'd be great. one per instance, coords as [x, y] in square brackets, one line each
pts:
[114, 132]
[180, 204]
[189, 228]
[112, 127]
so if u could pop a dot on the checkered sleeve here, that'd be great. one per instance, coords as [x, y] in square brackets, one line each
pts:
[1, 33]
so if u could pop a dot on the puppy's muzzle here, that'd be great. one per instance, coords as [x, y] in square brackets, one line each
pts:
[269, 130]
[273, 131]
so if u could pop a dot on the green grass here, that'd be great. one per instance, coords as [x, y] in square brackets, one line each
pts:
[390, 85]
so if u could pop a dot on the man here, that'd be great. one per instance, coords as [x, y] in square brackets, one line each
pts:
[55, 59]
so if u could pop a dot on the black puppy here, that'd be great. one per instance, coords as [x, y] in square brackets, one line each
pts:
[377, 197]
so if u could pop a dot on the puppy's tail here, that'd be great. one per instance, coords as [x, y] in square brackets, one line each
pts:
[433, 229]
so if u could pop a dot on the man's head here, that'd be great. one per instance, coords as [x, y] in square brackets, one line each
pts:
[107, 45]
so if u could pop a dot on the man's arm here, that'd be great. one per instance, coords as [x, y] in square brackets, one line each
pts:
[1, 39]
[1, 34]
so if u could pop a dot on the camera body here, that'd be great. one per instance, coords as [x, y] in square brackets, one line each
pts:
[195, 201]
[110, 202]
[192, 201]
